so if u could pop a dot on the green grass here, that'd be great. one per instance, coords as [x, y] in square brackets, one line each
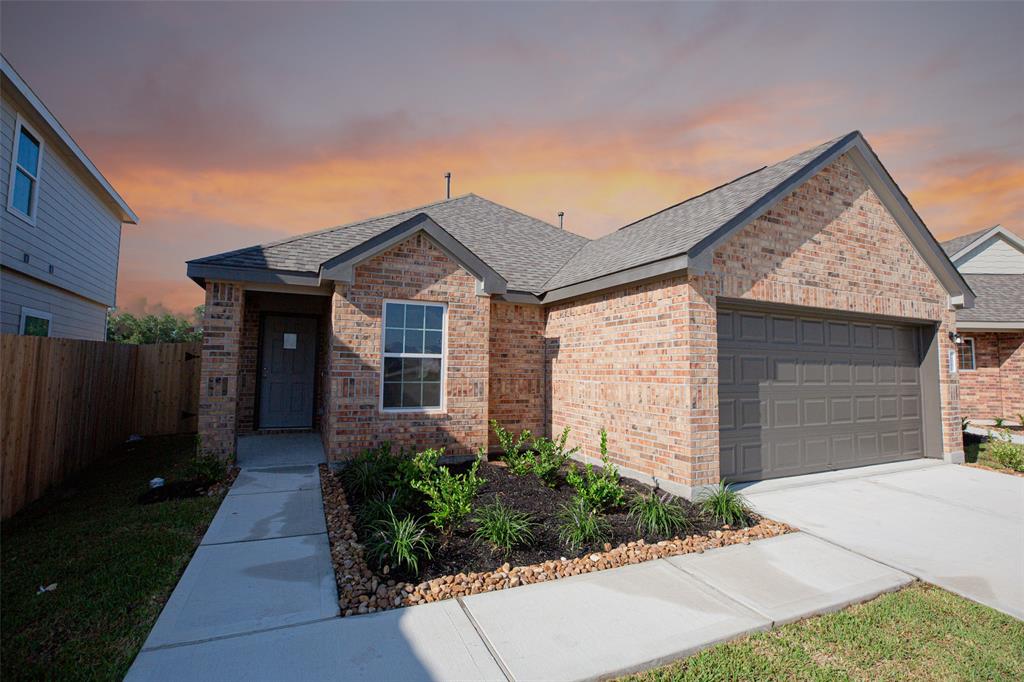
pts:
[919, 633]
[115, 563]
[977, 453]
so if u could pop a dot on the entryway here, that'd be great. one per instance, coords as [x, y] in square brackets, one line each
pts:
[287, 372]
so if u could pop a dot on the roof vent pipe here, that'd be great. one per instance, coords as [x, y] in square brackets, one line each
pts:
[447, 185]
[561, 216]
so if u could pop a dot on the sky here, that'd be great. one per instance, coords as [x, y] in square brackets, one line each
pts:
[237, 123]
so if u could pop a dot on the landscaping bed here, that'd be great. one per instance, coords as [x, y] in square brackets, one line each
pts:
[463, 560]
[994, 452]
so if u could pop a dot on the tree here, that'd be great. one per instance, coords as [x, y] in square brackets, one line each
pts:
[166, 328]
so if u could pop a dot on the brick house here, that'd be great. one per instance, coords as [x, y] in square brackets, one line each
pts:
[799, 318]
[991, 352]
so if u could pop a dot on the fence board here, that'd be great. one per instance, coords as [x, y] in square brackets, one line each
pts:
[67, 403]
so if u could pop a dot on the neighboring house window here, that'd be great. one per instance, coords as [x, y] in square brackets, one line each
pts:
[26, 163]
[35, 322]
[413, 372]
[966, 351]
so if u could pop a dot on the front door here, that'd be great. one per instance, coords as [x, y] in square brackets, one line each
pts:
[287, 372]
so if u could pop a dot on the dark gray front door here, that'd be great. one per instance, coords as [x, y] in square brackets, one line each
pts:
[287, 372]
[800, 393]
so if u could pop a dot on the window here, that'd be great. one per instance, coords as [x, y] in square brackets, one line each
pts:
[413, 372]
[23, 197]
[35, 322]
[966, 354]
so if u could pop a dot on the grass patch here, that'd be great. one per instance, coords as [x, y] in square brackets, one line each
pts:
[115, 563]
[979, 453]
[919, 633]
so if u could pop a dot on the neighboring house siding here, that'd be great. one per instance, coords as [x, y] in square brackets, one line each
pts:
[75, 230]
[994, 256]
[995, 388]
[73, 317]
[516, 373]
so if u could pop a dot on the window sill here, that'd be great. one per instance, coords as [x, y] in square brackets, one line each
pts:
[21, 216]
[399, 411]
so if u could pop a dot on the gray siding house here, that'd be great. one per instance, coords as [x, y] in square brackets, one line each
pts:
[60, 230]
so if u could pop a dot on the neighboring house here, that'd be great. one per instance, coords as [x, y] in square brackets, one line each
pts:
[61, 226]
[992, 333]
[799, 318]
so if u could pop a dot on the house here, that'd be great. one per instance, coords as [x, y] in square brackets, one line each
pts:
[797, 319]
[991, 353]
[60, 231]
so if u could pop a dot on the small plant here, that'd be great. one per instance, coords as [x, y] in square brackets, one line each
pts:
[725, 505]
[448, 496]
[369, 473]
[999, 422]
[1020, 418]
[550, 456]
[205, 468]
[398, 542]
[582, 525]
[503, 527]
[964, 423]
[375, 509]
[655, 515]
[1003, 450]
[518, 458]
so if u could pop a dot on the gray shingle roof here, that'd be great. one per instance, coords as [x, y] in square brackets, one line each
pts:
[957, 244]
[677, 229]
[523, 250]
[1000, 298]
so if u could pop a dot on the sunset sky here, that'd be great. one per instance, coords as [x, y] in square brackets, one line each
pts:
[230, 124]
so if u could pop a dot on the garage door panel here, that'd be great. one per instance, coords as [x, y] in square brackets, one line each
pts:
[803, 393]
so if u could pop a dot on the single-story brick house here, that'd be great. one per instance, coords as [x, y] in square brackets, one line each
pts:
[991, 352]
[799, 318]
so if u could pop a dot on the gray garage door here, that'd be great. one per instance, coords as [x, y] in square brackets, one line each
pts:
[800, 393]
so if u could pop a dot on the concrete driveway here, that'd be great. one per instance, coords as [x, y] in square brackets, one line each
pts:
[957, 527]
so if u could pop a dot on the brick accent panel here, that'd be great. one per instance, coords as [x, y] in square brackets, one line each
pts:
[218, 383]
[516, 374]
[419, 270]
[996, 387]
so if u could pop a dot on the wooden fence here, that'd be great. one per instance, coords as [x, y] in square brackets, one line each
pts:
[66, 403]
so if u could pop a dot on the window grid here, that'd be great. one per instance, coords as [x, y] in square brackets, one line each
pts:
[965, 352]
[412, 372]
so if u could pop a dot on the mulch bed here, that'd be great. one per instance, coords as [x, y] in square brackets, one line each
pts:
[463, 567]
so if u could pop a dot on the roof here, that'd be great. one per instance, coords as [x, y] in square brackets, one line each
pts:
[961, 245]
[958, 244]
[1000, 298]
[126, 213]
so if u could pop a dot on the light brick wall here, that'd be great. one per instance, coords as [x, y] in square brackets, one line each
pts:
[996, 387]
[218, 383]
[416, 270]
[516, 375]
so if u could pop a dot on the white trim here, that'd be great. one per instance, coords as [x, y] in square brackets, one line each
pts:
[996, 230]
[19, 125]
[32, 312]
[443, 409]
[974, 360]
[990, 326]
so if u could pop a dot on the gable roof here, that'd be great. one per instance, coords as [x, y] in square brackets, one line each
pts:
[126, 213]
[958, 246]
[1000, 300]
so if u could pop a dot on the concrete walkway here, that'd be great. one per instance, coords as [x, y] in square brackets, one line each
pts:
[958, 527]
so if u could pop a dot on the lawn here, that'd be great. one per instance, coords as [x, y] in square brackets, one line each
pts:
[919, 633]
[978, 453]
[114, 563]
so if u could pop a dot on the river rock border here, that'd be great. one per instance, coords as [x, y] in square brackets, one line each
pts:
[361, 591]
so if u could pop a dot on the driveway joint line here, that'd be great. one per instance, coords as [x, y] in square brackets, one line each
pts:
[721, 593]
[487, 643]
[276, 537]
[935, 498]
[235, 635]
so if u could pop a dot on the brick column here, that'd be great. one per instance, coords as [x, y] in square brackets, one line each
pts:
[699, 327]
[949, 385]
[218, 384]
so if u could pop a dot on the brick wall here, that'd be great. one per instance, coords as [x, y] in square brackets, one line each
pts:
[516, 375]
[996, 387]
[218, 383]
[416, 270]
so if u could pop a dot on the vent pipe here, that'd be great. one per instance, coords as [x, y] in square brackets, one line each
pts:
[561, 216]
[447, 185]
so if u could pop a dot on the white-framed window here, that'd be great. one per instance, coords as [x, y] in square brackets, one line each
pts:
[965, 353]
[413, 367]
[35, 322]
[26, 168]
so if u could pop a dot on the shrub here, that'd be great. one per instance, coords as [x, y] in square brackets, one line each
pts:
[657, 516]
[1003, 450]
[375, 509]
[503, 527]
[205, 468]
[601, 491]
[582, 525]
[550, 456]
[725, 505]
[398, 542]
[448, 496]
[370, 472]
[517, 456]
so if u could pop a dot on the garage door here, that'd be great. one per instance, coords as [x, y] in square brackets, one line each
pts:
[801, 393]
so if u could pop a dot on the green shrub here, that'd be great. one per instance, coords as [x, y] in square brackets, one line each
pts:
[657, 516]
[725, 505]
[503, 527]
[374, 509]
[601, 491]
[1003, 450]
[581, 525]
[518, 457]
[448, 496]
[550, 456]
[370, 472]
[206, 468]
[398, 542]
